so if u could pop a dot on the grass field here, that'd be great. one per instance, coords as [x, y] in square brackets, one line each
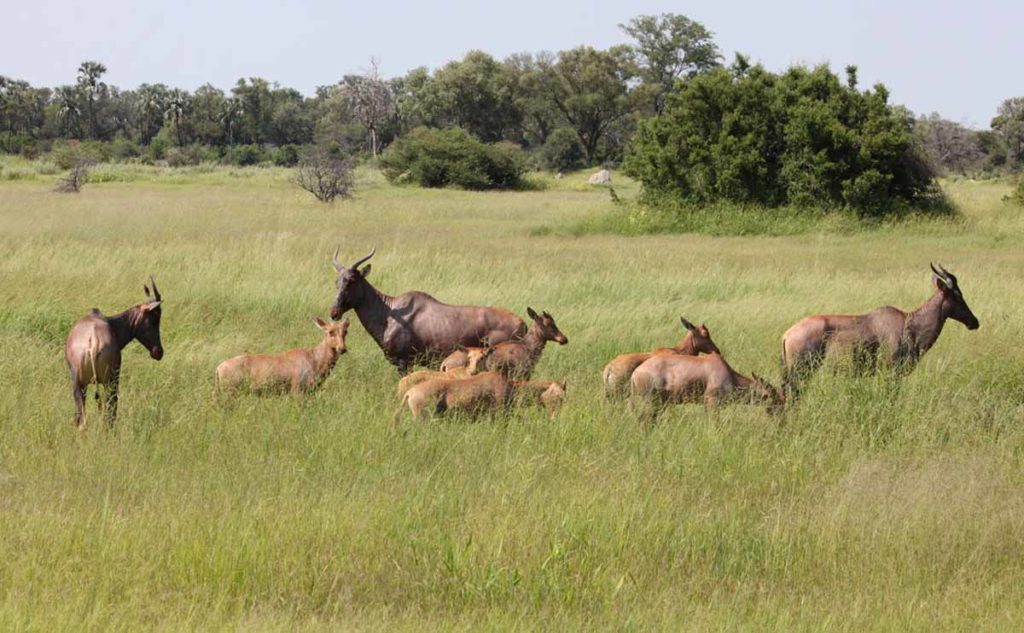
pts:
[867, 508]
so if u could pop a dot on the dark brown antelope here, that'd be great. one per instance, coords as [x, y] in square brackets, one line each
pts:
[298, 371]
[516, 359]
[414, 378]
[672, 379]
[617, 373]
[485, 392]
[887, 336]
[93, 349]
[415, 328]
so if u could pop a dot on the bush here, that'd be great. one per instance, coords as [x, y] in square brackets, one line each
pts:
[286, 156]
[750, 137]
[244, 155]
[439, 158]
[186, 156]
[15, 143]
[325, 174]
[562, 151]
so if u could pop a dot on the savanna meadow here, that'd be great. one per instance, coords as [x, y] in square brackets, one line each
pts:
[217, 308]
[866, 506]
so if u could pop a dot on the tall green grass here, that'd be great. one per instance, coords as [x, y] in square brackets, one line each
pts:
[869, 507]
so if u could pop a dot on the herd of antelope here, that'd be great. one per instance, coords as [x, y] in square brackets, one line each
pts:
[485, 356]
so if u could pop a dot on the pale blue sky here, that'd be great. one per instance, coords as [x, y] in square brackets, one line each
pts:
[957, 58]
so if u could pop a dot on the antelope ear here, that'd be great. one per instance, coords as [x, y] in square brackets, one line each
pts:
[941, 283]
[365, 271]
[533, 315]
[319, 323]
[146, 289]
[686, 324]
[564, 383]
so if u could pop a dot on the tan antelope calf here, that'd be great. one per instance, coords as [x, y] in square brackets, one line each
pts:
[673, 379]
[93, 349]
[485, 392]
[463, 358]
[298, 371]
[887, 336]
[546, 393]
[516, 359]
[617, 373]
[475, 362]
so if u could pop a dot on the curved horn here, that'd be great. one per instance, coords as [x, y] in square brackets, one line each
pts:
[334, 260]
[363, 259]
[942, 274]
[156, 293]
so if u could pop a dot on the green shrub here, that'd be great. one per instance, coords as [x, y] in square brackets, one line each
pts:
[15, 143]
[802, 138]
[286, 155]
[244, 155]
[562, 151]
[186, 156]
[439, 158]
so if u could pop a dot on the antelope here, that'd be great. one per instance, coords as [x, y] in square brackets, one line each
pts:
[889, 336]
[414, 327]
[475, 362]
[487, 391]
[546, 393]
[516, 359]
[670, 378]
[463, 358]
[93, 350]
[616, 373]
[298, 371]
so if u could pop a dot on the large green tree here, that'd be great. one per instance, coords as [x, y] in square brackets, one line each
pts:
[669, 47]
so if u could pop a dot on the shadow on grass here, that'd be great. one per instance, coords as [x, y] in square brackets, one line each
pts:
[632, 218]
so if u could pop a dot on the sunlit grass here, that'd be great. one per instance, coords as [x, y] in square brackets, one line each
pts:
[869, 507]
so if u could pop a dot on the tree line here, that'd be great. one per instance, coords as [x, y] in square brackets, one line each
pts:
[584, 101]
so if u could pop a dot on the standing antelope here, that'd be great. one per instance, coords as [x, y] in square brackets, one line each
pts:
[617, 373]
[93, 349]
[515, 359]
[896, 338]
[414, 327]
[670, 378]
[298, 370]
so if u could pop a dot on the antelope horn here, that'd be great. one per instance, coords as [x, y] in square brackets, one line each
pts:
[360, 261]
[334, 260]
[156, 293]
[941, 273]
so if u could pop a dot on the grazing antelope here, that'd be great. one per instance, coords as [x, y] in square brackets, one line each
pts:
[617, 373]
[516, 359]
[888, 335]
[414, 327]
[93, 349]
[298, 370]
[670, 378]
[488, 391]
[475, 363]
[463, 358]
[546, 393]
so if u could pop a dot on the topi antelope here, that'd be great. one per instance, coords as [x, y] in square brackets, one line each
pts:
[516, 359]
[414, 327]
[546, 393]
[482, 393]
[298, 370]
[670, 378]
[889, 336]
[464, 358]
[475, 363]
[617, 373]
[93, 349]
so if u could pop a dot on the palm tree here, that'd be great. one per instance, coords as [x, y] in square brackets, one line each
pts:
[91, 87]
[177, 109]
[68, 110]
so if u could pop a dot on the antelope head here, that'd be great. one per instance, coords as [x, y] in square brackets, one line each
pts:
[702, 343]
[954, 305]
[350, 284]
[147, 325]
[334, 333]
[548, 328]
